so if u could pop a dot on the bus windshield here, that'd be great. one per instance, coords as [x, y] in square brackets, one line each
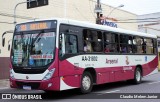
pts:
[33, 49]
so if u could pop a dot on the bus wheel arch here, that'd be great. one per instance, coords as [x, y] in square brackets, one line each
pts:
[140, 67]
[92, 71]
[87, 80]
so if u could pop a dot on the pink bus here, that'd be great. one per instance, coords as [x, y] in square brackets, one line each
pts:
[60, 54]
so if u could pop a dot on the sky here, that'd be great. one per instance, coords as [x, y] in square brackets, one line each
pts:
[138, 7]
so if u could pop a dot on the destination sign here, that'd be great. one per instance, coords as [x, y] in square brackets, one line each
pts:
[36, 26]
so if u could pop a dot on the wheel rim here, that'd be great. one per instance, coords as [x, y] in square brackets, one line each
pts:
[138, 75]
[86, 82]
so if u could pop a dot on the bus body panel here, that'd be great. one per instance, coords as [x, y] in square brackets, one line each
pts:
[69, 70]
[110, 73]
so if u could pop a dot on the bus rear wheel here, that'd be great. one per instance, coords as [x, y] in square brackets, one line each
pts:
[137, 76]
[86, 83]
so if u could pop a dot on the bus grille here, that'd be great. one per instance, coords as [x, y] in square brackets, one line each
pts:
[34, 85]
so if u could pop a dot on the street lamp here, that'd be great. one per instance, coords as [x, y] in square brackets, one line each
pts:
[65, 8]
[16, 7]
[115, 9]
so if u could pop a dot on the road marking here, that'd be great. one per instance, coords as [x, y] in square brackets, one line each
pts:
[5, 88]
[108, 92]
[154, 82]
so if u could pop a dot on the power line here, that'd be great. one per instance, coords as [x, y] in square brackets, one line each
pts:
[92, 10]
[6, 22]
[80, 12]
[151, 28]
[18, 16]
[137, 22]
[140, 19]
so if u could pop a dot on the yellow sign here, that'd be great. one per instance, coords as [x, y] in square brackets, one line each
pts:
[34, 26]
[38, 26]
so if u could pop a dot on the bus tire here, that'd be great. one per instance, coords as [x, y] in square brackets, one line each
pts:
[86, 83]
[137, 76]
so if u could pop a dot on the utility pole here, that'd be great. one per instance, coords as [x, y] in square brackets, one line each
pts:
[98, 6]
[98, 10]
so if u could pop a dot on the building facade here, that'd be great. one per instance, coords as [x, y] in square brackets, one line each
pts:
[82, 10]
[150, 23]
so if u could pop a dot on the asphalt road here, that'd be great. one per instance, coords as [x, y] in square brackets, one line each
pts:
[113, 92]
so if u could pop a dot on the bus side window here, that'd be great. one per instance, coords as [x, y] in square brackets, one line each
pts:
[123, 48]
[87, 46]
[134, 45]
[124, 43]
[111, 43]
[155, 46]
[87, 40]
[92, 40]
[149, 46]
[71, 44]
[74, 44]
[144, 44]
[96, 41]
[139, 45]
[68, 44]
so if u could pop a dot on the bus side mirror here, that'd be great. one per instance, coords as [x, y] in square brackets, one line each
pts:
[60, 38]
[62, 44]
[9, 46]
[3, 42]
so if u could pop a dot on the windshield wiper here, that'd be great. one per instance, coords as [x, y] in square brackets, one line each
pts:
[22, 36]
[37, 37]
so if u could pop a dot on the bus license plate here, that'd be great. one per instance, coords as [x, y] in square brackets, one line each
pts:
[27, 87]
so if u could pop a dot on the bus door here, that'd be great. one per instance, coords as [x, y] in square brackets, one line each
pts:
[68, 65]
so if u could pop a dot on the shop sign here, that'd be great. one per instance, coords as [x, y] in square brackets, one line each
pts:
[108, 23]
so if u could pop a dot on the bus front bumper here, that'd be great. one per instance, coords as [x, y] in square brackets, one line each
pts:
[51, 84]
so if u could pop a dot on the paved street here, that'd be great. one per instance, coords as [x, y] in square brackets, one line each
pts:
[101, 93]
[4, 83]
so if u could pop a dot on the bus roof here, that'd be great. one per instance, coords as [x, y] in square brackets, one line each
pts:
[96, 26]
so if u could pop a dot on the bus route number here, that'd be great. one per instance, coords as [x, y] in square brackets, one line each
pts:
[89, 58]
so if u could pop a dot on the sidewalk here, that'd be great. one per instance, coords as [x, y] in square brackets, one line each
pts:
[4, 83]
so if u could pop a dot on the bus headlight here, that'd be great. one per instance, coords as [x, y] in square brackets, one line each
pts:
[49, 74]
[11, 74]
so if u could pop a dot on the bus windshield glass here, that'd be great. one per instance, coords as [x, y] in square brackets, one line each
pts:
[33, 49]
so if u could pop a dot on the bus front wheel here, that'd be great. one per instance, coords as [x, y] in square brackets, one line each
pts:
[86, 83]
